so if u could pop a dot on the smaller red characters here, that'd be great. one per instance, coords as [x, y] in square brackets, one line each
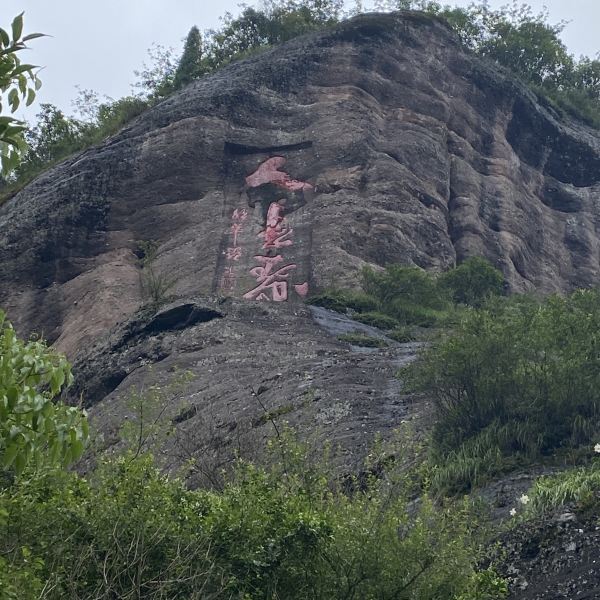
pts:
[228, 279]
[239, 215]
[234, 253]
[235, 229]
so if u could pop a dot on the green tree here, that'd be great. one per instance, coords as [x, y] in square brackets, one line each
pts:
[473, 281]
[277, 21]
[18, 82]
[155, 80]
[526, 44]
[52, 138]
[34, 428]
[190, 66]
[586, 77]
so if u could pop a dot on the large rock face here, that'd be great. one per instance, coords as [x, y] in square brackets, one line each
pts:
[377, 141]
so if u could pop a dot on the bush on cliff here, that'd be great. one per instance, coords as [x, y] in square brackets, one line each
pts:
[400, 295]
[514, 381]
[472, 282]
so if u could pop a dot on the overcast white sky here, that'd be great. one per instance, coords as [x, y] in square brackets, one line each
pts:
[98, 44]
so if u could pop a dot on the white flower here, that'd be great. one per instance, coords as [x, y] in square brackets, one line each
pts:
[513, 512]
[597, 448]
[524, 499]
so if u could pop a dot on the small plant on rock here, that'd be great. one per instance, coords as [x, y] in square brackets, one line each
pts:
[155, 285]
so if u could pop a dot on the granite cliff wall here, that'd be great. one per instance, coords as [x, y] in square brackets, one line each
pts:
[377, 141]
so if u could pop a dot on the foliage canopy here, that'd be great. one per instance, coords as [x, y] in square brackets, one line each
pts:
[129, 531]
[18, 82]
[34, 428]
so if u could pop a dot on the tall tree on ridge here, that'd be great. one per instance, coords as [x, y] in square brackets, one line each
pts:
[190, 66]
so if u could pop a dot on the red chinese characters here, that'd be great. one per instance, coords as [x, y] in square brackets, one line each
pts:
[234, 252]
[269, 172]
[272, 274]
[272, 279]
[276, 233]
[228, 280]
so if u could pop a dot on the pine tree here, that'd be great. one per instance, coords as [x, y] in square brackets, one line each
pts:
[190, 66]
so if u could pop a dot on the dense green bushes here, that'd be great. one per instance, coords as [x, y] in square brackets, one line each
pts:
[128, 531]
[472, 282]
[294, 530]
[513, 382]
[35, 426]
[400, 296]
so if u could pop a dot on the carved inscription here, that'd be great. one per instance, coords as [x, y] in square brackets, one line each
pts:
[272, 274]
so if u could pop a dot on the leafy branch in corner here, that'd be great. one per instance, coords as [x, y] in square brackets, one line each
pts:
[18, 82]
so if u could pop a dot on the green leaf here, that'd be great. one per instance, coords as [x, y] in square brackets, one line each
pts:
[20, 462]
[11, 51]
[17, 27]
[30, 97]
[12, 395]
[9, 455]
[13, 99]
[58, 378]
[22, 69]
[77, 449]
[33, 36]
[4, 38]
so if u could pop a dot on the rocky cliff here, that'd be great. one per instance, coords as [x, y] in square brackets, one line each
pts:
[377, 141]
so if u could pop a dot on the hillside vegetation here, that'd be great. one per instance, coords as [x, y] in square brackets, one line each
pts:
[514, 381]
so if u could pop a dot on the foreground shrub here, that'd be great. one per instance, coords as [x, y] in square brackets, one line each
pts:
[285, 532]
[127, 532]
[515, 381]
[35, 426]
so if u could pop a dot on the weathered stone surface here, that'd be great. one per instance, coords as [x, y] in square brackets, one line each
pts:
[378, 141]
[416, 153]
[552, 558]
[253, 367]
